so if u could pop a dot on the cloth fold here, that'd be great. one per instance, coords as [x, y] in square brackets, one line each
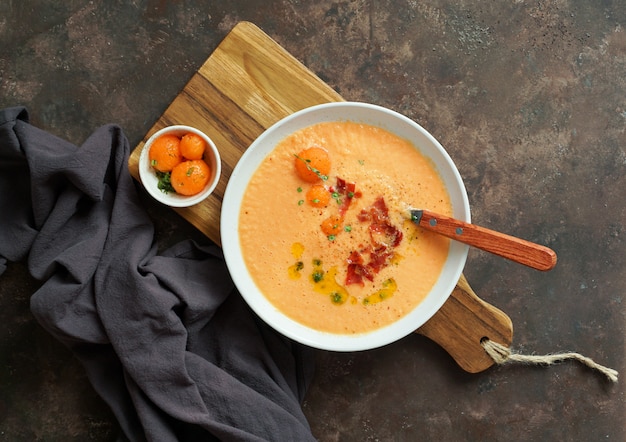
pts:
[164, 337]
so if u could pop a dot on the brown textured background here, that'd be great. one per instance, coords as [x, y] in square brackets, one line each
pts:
[528, 97]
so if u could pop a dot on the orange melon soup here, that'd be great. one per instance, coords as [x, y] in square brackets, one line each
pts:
[325, 228]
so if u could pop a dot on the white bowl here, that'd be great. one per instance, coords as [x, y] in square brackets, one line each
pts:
[264, 144]
[149, 178]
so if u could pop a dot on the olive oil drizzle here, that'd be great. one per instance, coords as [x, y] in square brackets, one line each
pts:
[325, 281]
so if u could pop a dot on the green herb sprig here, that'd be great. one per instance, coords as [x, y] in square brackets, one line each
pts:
[165, 184]
[311, 168]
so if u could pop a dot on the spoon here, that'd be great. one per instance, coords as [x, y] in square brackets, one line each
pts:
[521, 251]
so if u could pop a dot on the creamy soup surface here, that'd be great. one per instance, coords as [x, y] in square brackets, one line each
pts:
[355, 263]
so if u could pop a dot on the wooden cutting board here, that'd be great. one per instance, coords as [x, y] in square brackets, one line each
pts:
[245, 86]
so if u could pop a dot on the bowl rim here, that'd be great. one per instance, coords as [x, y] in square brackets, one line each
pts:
[229, 222]
[148, 176]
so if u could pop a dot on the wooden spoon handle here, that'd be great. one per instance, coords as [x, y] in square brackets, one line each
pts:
[524, 252]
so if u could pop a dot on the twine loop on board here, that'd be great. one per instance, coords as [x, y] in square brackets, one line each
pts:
[501, 354]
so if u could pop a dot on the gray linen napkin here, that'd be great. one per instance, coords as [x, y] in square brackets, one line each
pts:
[164, 337]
